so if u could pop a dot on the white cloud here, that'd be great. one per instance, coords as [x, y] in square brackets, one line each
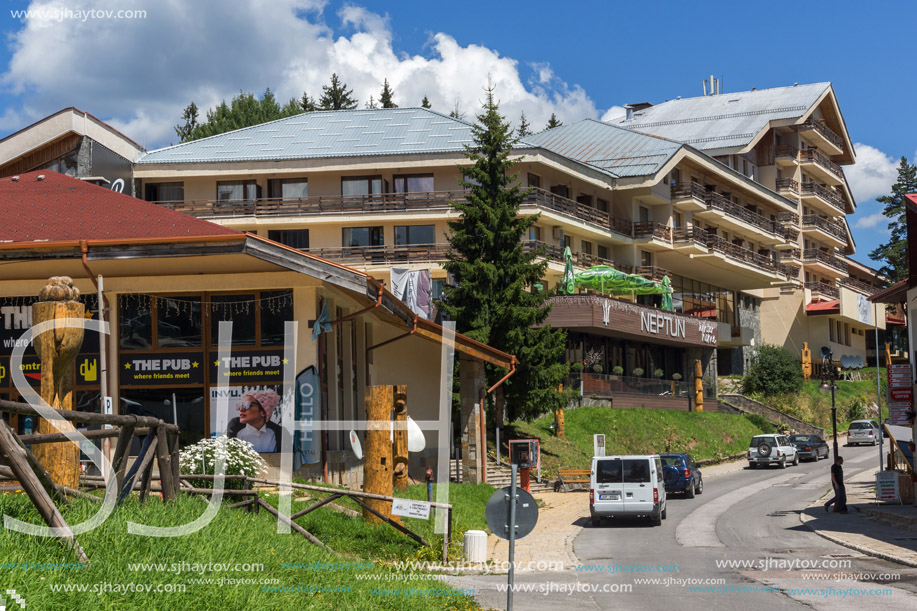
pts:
[870, 221]
[140, 74]
[614, 113]
[872, 175]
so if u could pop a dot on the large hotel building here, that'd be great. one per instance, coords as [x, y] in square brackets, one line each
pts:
[738, 198]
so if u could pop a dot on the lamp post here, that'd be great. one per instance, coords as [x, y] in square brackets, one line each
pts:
[828, 378]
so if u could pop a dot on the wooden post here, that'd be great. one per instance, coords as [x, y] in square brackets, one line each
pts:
[164, 462]
[377, 467]
[173, 445]
[57, 349]
[559, 423]
[806, 361]
[400, 447]
[122, 450]
[698, 386]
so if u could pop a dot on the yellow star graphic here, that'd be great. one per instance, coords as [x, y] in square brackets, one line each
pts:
[127, 365]
[194, 364]
[285, 361]
[216, 363]
[87, 314]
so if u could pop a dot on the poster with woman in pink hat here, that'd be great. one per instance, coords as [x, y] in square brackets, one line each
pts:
[255, 416]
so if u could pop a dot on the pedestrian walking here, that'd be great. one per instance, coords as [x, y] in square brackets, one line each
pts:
[837, 482]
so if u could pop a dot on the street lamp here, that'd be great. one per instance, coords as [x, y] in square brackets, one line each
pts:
[828, 378]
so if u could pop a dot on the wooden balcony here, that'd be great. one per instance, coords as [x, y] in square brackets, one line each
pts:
[689, 196]
[735, 217]
[652, 230]
[743, 255]
[690, 241]
[859, 286]
[826, 230]
[824, 262]
[823, 290]
[817, 163]
[383, 255]
[823, 136]
[788, 185]
[821, 197]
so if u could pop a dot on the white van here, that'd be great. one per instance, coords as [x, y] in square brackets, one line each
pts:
[627, 486]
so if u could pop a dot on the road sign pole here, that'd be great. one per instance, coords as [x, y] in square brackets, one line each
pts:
[512, 539]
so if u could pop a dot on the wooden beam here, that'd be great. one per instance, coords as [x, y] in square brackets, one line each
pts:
[164, 462]
[89, 417]
[305, 533]
[312, 508]
[122, 450]
[391, 522]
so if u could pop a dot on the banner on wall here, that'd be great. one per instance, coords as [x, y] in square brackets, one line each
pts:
[159, 369]
[307, 445]
[250, 366]
[413, 287]
[254, 414]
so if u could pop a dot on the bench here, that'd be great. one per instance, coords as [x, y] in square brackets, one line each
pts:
[571, 476]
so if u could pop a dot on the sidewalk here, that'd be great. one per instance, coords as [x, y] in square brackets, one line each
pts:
[884, 531]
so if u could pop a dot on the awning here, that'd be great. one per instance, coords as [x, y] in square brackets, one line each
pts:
[824, 307]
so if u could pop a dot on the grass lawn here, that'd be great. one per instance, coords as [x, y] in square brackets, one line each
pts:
[635, 431]
[233, 537]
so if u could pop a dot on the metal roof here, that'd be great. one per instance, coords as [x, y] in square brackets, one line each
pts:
[612, 149]
[726, 120]
[332, 133]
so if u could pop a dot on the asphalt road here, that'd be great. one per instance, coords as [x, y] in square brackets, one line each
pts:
[750, 516]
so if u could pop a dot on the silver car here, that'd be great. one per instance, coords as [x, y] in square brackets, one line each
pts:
[863, 431]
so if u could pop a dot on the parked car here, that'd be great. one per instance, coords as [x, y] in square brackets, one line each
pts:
[863, 431]
[681, 474]
[627, 486]
[811, 447]
[771, 450]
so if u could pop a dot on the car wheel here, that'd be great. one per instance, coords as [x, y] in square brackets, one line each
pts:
[752, 465]
[700, 487]
[664, 512]
[657, 519]
[596, 522]
[875, 441]
[796, 459]
[783, 463]
[689, 491]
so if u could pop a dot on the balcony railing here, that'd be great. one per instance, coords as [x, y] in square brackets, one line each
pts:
[740, 253]
[383, 255]
[825, 132]
[649, 229]
[790, 256]
[684, 190]
[652, 272]
[786, 150]
[719, 202]
[814, 156]
[827, 195]
[814, 255]
[546, 199]
[695, 235]
[859, 286]
[822, 224]
[788, 184]
[580, 259]
[825, 290]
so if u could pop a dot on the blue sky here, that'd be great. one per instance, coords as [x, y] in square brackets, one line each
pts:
[575, 59]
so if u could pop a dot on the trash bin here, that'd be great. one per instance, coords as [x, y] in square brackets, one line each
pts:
[475, 546]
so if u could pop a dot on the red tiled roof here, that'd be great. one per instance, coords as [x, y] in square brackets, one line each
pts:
[823, 306]
[895, 320]
[62, 208]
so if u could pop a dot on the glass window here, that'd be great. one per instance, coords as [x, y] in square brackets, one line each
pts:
[831, 336]
[237, 190]
[361, 236]
[636, 471]
[587, 247]
[535, 233]
[165, 192]
[534, 180]
[602, 252]
[601, 204]
[158, 403]
[294, 238]
[240, 309]
[586, 200]
[276, 309]
[288, 188]
[436, 292]
[646, 258]
[178, 322]
[561, 190]
[673, 461]
[413, 183]
[135, 322]
[68, 164]
[608, 472]
[414, 234]
[361, 185]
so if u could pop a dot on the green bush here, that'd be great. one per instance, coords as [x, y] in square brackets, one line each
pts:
[762, 423]
[857, 409]
[618, 370]
[774, 370]
[576, 367]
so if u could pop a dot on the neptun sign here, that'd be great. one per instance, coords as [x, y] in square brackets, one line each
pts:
[607, 316]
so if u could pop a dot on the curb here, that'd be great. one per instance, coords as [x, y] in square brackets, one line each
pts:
[854, 546]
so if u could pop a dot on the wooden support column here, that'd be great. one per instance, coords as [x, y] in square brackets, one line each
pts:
[400, 447]
[57, 349]
[164, 462]
[698, 386]
[471, 378]
[377, 467]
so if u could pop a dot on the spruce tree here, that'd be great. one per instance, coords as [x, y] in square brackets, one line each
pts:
[554, 122]
[456, 113]
[386, 97]
[244, 110]
[525, 128]
[189, 116]
[371, 104]
[306, 103]
[425, 103]
[336, 96]
[894, 252]
[492, 299]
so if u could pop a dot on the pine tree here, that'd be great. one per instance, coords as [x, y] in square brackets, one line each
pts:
[491, 300]
[425, 103]
[554, 122]
[894, 252]
[336, 96]
[525, 128]
[371, 104]
[189, 116]
[306, 103]
[456, 113]
[385, 98]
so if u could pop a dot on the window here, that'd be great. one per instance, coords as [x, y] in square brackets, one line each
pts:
[846, 334]
[165, 192]
[238, 308]
[237, 190]
[677, 220]
[178, 322]
[568, 241]
[636, 471]
[646, 258]
[413, 183]
[839, 331]
[135, 322]
[294, 238]
[584, 199]
[361, 185]
[601, 204]
[288, 188]
[676, 176]
[361, 236]
[276, 309]
[535, 233]
[534, 180]
[561, 190]
[602, 252]
[436, 290]
[587, 247]
[608, 472]
[644, 214]
[414, 234]
[65, 164]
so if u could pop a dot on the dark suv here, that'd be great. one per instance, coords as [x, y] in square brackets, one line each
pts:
[681, 474]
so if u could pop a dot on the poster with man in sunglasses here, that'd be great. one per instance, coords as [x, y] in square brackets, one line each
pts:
[255, 416]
